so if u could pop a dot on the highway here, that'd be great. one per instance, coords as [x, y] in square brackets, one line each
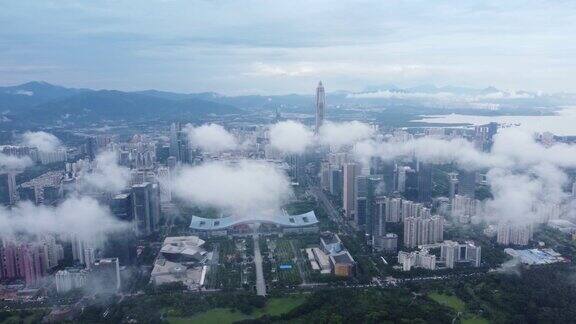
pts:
[332, 212]
[260, 282]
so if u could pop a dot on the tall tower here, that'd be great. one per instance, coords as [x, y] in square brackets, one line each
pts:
[320, 106]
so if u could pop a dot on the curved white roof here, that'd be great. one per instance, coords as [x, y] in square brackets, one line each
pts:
[280, 219]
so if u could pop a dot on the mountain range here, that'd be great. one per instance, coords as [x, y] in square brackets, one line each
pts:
[42, 102]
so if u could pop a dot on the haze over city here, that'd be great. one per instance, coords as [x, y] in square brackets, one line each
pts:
[310, 162]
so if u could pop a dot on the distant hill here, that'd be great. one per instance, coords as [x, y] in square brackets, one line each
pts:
[117, 105]
[42, 102]
[33, 93]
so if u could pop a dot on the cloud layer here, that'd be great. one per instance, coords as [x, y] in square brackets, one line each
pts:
[81, 216]
[526, 177]
[219, 45]
[45, 142]
[211, 138]
[12, 163]
[293, 137]
[107, 175]
[244, 189]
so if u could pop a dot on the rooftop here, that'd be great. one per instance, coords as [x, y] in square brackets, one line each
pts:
[280, 218]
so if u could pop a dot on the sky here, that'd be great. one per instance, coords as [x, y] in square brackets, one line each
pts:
[274, 47]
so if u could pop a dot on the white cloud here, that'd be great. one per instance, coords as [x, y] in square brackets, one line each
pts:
[211, 138]
[13, 163]
[291, 137]
[345, 133]
[45, 142]
[107, 176]
[81, 216]
[525, 177]
[247, 188]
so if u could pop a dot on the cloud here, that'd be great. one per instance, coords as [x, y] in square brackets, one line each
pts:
[13, 163]
[294, 138]
[243, 189]
[526, 178]
[107, 175]
[345, 133]
[45, 142]
[81, 216]
[291, 137]
[442, 96]
[211, 138]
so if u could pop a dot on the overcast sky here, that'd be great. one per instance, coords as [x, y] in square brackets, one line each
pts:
[238, 47]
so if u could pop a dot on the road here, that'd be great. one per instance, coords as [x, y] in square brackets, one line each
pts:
[331, 210]
[260, 283]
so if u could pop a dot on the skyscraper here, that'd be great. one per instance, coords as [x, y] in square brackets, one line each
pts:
[424, 183]
[467, 183]
[146, 204]
[179, 143]
[8, 191]
[320, 106]
[349, 185]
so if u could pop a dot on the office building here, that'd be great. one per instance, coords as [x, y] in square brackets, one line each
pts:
[350, 171]
[122, 207]
[320, 101]
[387, 243]
[165, 180]
[424, 174]
[336, 182]
[365, 204]
[179, 143]
[452, 253]
[106, 274]
[467, 183]
[146, 204]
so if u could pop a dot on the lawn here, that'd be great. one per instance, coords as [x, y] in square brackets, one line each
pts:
[451, 301]
[474, 320]
[213, 316]
[274, 307]
[279, 306]
[458, 305]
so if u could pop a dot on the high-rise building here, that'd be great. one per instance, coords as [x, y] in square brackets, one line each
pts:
[350, 171]
[420, 230]
[23, 261]
[106, 274]
[8, 193]
[336, 182]
[146, 204]
[55, 156]
[365, 204]
[452, 253]
[385, 243]
[515, 234]
[417, 259]
[164, 180]
[325, 173]
[69, 279]
[320, 106]
[122, 207]
[424, 182]
[467, 183]
[179, 144]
